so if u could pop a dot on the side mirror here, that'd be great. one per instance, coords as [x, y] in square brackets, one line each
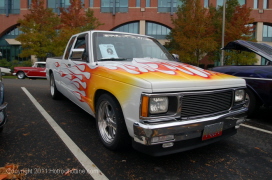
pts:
[176, 57]
[77, 54]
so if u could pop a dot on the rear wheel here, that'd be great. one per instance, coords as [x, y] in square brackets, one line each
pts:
[21, 75]
[55, 94]
[110, 123]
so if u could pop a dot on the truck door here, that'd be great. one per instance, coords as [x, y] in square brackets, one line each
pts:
[75, 74]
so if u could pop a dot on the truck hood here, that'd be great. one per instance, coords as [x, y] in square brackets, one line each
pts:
[159, 75]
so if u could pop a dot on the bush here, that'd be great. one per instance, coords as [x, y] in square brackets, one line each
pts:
[15, 63]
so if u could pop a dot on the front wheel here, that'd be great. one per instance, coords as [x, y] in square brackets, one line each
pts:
[110, 123]
[21, 75]
[252, 103]
[55, 94]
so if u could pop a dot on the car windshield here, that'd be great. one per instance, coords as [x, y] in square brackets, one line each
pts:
[120, 47]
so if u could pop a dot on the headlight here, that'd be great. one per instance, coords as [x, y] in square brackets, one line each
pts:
[239, 95]
[158, 105]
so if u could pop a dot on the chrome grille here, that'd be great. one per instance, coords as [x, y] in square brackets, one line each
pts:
[204, 104]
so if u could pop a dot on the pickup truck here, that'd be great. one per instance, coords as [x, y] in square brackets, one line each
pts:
[36, 71]
[141, 96]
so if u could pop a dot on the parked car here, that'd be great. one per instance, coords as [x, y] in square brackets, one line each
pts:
[258, 77]
[36, 71]
[5, 70]
[3, 105]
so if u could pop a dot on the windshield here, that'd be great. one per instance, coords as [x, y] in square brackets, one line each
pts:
[120, 47]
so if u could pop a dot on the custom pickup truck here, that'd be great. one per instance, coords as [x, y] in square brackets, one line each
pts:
[140, 95]
[36, 71]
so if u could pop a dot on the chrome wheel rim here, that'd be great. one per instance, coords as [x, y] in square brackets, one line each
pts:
[107, 122]
[52, 86]
[247, 100]
[20, 75]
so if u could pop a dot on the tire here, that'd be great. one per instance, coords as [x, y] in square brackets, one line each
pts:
[252, 103]
[21, 75]
[55, 94]
[110, 123]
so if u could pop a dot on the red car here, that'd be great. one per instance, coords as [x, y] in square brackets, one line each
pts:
[36, 71]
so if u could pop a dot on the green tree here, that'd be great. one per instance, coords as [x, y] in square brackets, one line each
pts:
[39, 30]
[192, 35]
[237, 26]
[74, 20]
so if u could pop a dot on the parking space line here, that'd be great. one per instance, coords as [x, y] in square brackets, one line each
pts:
[90, 167]
[259, 129]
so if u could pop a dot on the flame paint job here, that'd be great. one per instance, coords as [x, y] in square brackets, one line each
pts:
[140, 72]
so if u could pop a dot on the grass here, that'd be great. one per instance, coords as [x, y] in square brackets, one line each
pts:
[9, 77]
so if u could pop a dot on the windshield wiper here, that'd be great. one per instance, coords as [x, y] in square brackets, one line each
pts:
[113, 59]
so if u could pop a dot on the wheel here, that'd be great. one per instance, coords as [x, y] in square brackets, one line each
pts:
[252, 102]
[55, 94]
[110, 123]
[21, 75]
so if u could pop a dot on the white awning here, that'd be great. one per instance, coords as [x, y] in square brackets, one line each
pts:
[13, 42]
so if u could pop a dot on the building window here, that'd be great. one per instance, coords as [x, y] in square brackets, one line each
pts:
[130, 28]
[241, 2]
[8, 50]
[138, 3]
[168, 6]
[206, 3]
[157, 31]
[113, 6]
[2, 7]
[220, 3]
[57, 4]
[256, 4]
[267, 33]
[265, 4]
[147, 3]
[91, 3]
[9, 7]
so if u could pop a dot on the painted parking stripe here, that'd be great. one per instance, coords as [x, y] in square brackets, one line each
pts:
[90, 167]
[258, 129]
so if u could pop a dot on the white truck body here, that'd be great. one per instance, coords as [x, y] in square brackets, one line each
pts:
[151, 89]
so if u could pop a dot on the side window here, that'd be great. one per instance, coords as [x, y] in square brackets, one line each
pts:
[69, 48]
[80, 50]
[41, 65]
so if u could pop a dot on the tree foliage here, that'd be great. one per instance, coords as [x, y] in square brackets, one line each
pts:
[44, 32]
[198, 31]
[39, 30]
[192, 35]
[74, 20]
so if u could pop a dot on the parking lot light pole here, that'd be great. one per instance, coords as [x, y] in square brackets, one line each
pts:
[223, 33]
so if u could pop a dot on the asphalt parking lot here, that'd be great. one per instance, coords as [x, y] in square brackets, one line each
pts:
[30, 141]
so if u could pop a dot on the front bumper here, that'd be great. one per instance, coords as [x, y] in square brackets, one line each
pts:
[3, 114]
[14, 74]
[186, 131]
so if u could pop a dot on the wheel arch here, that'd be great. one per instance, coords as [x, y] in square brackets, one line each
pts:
[259, 99]
[100, 92]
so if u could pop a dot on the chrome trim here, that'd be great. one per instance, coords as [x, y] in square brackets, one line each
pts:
[179, 95]
[3, 106]
[185, 130]
[264, 79]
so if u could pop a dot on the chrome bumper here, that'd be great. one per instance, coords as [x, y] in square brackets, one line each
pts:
[185, 130]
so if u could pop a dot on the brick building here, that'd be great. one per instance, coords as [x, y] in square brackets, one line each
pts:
[150, 17]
